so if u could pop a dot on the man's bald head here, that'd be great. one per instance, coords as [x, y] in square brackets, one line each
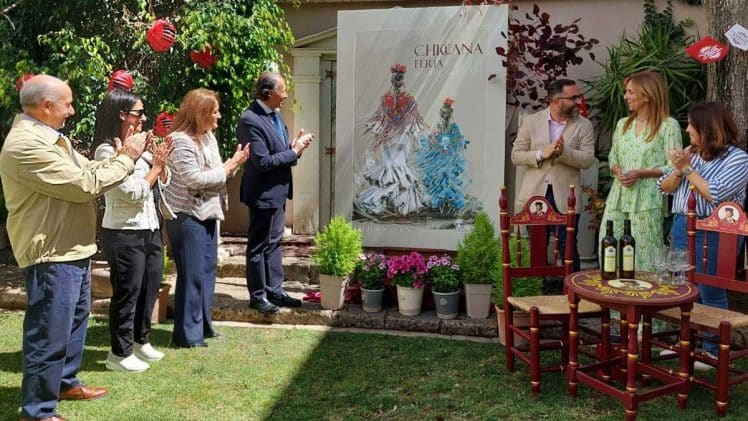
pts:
[39, 88]
[47, 99]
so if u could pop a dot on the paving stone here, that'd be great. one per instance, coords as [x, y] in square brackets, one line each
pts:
[352, 315]
[424, 322]
[469, 327]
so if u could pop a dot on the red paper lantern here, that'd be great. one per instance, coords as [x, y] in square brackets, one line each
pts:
[164, 122]
[708, 50]
[161, 35]
[204, 58]
[22, 80]
[121, 79]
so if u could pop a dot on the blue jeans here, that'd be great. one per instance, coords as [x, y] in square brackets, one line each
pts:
[54, 331]
[195, 247]
[708, 295]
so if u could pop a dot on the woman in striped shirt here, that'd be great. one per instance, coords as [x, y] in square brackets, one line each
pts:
[718, 169]
[197, 195]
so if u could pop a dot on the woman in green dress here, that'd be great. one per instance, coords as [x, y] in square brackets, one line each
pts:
[638, 157]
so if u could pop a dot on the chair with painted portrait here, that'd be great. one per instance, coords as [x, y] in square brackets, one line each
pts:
[547, 313]
[714, 244]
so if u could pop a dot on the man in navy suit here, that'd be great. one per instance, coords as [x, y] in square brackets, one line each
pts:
[266, 185]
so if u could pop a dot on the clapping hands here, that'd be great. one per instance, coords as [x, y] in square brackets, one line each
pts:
[302, 142]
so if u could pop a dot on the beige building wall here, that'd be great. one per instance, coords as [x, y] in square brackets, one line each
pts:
[313, 25]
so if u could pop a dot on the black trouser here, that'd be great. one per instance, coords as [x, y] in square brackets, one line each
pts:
[264, 253]
[136, 264]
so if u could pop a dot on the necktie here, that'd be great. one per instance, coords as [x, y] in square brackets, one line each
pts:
[279, 126]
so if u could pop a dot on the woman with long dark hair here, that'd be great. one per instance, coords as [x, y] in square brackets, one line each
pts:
[718, 169]
[131, 236]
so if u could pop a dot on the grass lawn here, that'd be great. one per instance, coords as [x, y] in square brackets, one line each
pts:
[298, 374]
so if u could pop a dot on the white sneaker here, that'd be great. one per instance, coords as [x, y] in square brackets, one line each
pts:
[699, 366]
[147, 353]
[130, 363]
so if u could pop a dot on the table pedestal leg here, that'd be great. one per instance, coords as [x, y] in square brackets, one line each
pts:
[604, 350]
[685, 352]
[631, 360]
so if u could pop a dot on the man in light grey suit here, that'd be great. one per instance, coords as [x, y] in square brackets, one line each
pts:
[555, 144]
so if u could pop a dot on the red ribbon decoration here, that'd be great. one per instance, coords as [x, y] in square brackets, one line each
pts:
[164, 122]
[22, 80]
[121, 79]
[708, 50]
[161, 35]
[583, 110]
[205, 58]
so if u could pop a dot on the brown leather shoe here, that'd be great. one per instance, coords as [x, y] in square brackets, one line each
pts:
[82, 393]
[55, 418]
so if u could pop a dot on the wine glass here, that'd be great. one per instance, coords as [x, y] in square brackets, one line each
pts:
[683, 264]
[660, 264]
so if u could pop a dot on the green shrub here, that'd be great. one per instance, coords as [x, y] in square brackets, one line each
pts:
[338, 248]
[521, 287]
[478, 252]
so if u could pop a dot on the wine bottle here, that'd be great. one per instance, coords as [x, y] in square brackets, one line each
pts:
[609, 251]
[627, 252]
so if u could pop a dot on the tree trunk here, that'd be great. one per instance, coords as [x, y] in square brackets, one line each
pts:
[726, 80]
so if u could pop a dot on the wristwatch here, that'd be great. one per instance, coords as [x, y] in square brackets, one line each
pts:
[688, 170]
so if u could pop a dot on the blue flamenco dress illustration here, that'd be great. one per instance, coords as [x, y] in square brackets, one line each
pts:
[441, 161]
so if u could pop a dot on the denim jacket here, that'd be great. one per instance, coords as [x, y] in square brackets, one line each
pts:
[130, 205]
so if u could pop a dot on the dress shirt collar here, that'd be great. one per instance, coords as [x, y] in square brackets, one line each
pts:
[50, 135]
[267, 109]
[552, 121]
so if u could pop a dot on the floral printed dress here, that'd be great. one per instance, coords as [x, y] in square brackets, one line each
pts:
[642, 203]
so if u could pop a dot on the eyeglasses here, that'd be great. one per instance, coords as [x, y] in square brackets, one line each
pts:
[138, 113]
[573, 97]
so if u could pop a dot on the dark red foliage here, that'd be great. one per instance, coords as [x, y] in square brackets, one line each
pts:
[539, 53]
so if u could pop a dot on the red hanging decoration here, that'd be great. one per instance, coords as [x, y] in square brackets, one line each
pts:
[583, 110]
[708, 50]
[204, 58]
[164, 122]
[161, 35]
[22, 80]
[121, 79]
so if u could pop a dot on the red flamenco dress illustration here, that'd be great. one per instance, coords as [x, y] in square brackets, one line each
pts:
[387, 183]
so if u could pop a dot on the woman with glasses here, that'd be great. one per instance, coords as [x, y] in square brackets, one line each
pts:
[637, 158]
[198, 196]
[131, 235]
[718, 169]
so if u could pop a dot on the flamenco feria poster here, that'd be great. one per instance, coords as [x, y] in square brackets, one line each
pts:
[420, 127]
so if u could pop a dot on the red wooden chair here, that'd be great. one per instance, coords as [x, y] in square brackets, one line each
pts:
[546, 311]
[708, 322]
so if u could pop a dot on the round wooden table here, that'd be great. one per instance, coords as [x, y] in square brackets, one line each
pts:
[633, 298]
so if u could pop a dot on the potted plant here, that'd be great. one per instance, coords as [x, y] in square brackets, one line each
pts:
[371, 270]
[337, 249]
[477, 255]
[524, 288]
[407, 273]
[445, 285]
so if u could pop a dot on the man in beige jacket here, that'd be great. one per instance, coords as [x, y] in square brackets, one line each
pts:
[555, 144]
[49, 190]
